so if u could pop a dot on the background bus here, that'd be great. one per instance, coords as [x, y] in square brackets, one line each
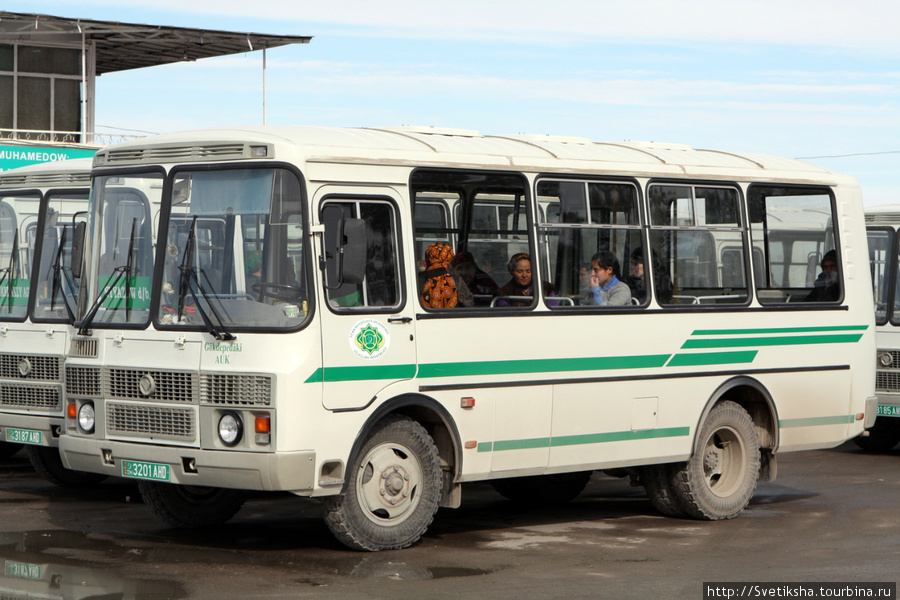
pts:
[41, 207]
[882, 223]
[256, 322]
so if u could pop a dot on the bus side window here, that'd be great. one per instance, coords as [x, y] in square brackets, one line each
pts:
[792, 229]
[380, 288]
[697, 233]
[489, 224]
[583, 220]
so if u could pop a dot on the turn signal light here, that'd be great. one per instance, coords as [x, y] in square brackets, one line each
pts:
[263, 425]
[72, 410]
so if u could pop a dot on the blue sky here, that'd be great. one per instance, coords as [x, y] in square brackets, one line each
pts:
[788, 77]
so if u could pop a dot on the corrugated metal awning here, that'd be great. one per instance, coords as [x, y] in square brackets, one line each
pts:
[123, 46]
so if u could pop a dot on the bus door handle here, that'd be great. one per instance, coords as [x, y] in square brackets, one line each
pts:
[400, 320]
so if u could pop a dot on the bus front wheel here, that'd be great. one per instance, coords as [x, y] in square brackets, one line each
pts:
[393, 489]
[48, 464]
[189, 506]
[883, 436]
[719, 479]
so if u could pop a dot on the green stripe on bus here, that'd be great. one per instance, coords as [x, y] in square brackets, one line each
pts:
[788, 340]
[712, 358]
[578, 440]
[780, 330]
[816, 421]
[519, 367]
[336, 374]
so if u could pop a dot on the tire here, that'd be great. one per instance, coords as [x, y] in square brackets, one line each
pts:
[48, 464]
[719, 479]
[189, 506]
[7, 449]
[393, 489]
[543, 490]
[883, 436]
[658, 484]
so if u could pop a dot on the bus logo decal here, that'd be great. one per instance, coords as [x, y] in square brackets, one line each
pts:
[369, 339]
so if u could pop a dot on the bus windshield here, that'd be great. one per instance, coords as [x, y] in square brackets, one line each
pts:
[234, 252]
[117, 287]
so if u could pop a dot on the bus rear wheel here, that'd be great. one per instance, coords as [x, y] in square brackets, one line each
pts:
[658, 485]
[719, 479]
[190, 506]
[392, 491]
[48, 464]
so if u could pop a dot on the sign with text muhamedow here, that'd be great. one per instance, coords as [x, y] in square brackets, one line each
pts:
[12, 157]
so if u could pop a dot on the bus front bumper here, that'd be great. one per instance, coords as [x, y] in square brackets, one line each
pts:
[32, 430]
[285, 471]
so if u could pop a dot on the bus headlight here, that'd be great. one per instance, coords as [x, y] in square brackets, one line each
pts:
[231, 429]
[86, 417]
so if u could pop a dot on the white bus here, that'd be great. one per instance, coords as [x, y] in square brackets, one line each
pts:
[257, 323]
[43, 209]
[882, 223]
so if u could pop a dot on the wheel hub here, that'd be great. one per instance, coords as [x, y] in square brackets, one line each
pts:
[711, 461]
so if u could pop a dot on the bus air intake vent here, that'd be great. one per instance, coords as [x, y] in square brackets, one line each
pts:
[31, 396]
[83, 348]
[150, 421]
[236, 390]
[25, 366]
[83, 381]
[165, 386]
[179, 154]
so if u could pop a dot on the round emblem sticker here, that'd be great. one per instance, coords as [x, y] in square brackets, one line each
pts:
[369, 339]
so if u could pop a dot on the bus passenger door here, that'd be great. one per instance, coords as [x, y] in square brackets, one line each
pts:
[368, 326]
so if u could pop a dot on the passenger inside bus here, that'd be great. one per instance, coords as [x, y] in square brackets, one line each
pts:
[518, 291]
[482, 285]
[606, 287]
[439, 288]
[637, 283]
[827, 286]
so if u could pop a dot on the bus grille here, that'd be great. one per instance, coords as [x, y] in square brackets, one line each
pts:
[31, 397]
[170, 386]
[242, 390]
[150, 421]
[46, 368]
[83, 381]
[887, 381]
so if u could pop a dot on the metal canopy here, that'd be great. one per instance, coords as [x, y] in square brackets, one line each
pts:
[123, 46]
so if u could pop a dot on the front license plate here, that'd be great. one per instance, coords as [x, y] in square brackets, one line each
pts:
[144, 470]
[888, 410]
[24, 436]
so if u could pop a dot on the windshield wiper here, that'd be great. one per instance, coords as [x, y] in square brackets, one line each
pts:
[10, 269]
[119, 273]
[189, 275]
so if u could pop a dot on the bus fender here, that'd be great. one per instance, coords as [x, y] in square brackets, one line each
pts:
[753, 396]
[440, 425]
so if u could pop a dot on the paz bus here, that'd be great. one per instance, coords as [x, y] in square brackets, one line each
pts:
[882, 222]
[254, 321]
[43, 208]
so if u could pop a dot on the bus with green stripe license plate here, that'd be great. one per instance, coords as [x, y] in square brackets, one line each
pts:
[374, 318]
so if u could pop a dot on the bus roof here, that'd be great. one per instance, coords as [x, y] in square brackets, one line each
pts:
[455, 148]
[884, 214]
[75, 172]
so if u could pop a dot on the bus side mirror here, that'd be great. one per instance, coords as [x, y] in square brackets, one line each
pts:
[78, 248]
[345, 248]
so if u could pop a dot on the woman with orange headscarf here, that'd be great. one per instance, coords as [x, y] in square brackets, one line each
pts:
[439, 289]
